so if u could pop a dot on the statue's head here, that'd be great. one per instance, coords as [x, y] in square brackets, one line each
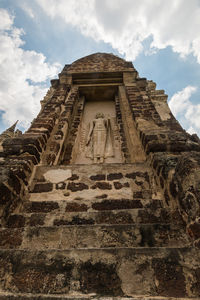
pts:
[99, 115]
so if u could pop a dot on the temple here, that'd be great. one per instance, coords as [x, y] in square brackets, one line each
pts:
[100, 197]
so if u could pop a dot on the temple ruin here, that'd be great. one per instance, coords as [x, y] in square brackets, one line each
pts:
[100, 197]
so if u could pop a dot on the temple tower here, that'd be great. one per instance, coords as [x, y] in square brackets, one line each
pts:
[100, 197]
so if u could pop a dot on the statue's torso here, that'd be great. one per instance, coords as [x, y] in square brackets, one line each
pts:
[99, 124]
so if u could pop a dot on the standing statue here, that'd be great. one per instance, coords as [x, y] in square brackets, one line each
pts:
[99, 140]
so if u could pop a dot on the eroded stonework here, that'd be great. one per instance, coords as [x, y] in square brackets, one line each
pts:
[100, 197]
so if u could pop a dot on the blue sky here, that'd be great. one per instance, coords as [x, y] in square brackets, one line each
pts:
[38, 37]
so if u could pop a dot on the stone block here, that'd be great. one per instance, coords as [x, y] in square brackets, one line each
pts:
[73, 206]
[117, 204]
[16, 221]
[10, 238]
[36, 219]
[42, 187]
[44, 207]
[79, 186]
[114, 176]
[102, 185]
[41, 238]
[98, 177]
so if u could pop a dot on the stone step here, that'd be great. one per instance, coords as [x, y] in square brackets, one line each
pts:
[89, 181]
[48, 177]
[90, 195]
[130, 216]
[124, 272]
[91, 205]
[93, 236]
[78, 296]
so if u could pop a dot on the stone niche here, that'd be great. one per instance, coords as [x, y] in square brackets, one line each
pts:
[98, 139]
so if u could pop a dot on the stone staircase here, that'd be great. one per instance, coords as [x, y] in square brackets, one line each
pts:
[96, 232]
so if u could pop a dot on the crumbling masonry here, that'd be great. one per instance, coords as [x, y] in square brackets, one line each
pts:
[77, 224]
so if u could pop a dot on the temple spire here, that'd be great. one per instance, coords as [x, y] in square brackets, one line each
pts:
[9, 132]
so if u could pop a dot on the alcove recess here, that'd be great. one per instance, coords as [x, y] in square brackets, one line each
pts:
[104, 93]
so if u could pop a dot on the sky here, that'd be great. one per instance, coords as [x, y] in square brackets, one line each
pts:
[38, 37]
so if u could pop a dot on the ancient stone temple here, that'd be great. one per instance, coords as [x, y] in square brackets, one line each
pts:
[100, 197]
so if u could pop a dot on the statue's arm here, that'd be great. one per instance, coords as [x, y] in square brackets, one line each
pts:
[106, 124]
[90, 132]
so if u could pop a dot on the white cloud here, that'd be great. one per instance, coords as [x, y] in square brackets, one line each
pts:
[125, 24]
[22, 75]
[6, 20]
[180, 101]
[181, 106]
[27, 9]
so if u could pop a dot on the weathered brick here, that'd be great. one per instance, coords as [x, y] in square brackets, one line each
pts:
[42, 187]
[98, 177]
[114, 176]
[79, 186]
[102, 185]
